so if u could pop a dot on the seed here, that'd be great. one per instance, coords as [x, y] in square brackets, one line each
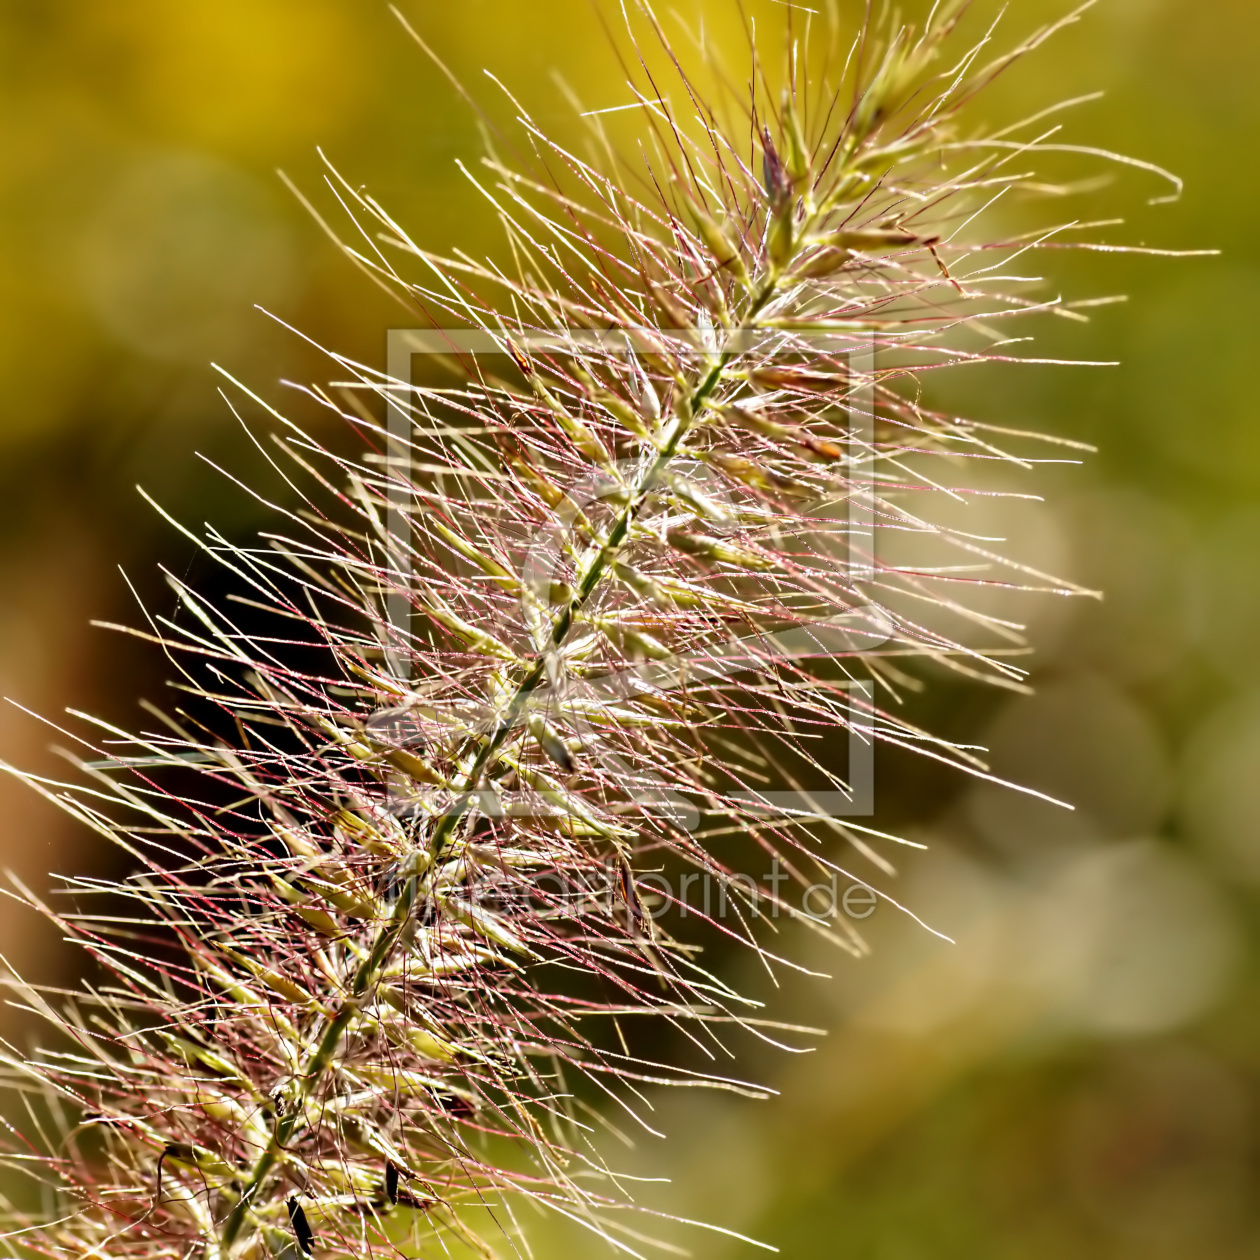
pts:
[795, 378]
[705, 548]
[868, 239]
[550, 742]
[726, 253]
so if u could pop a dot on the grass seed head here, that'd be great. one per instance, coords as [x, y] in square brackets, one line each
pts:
[388, 897]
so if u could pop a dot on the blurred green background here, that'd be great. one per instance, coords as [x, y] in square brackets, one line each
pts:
[1080, 1073]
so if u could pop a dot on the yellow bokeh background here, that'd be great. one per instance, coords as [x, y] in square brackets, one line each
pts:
[1079, 1074]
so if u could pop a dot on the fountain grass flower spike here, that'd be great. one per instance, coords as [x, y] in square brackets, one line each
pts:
[576, 617]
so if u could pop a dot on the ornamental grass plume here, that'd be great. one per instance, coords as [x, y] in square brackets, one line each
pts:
[604, 602]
